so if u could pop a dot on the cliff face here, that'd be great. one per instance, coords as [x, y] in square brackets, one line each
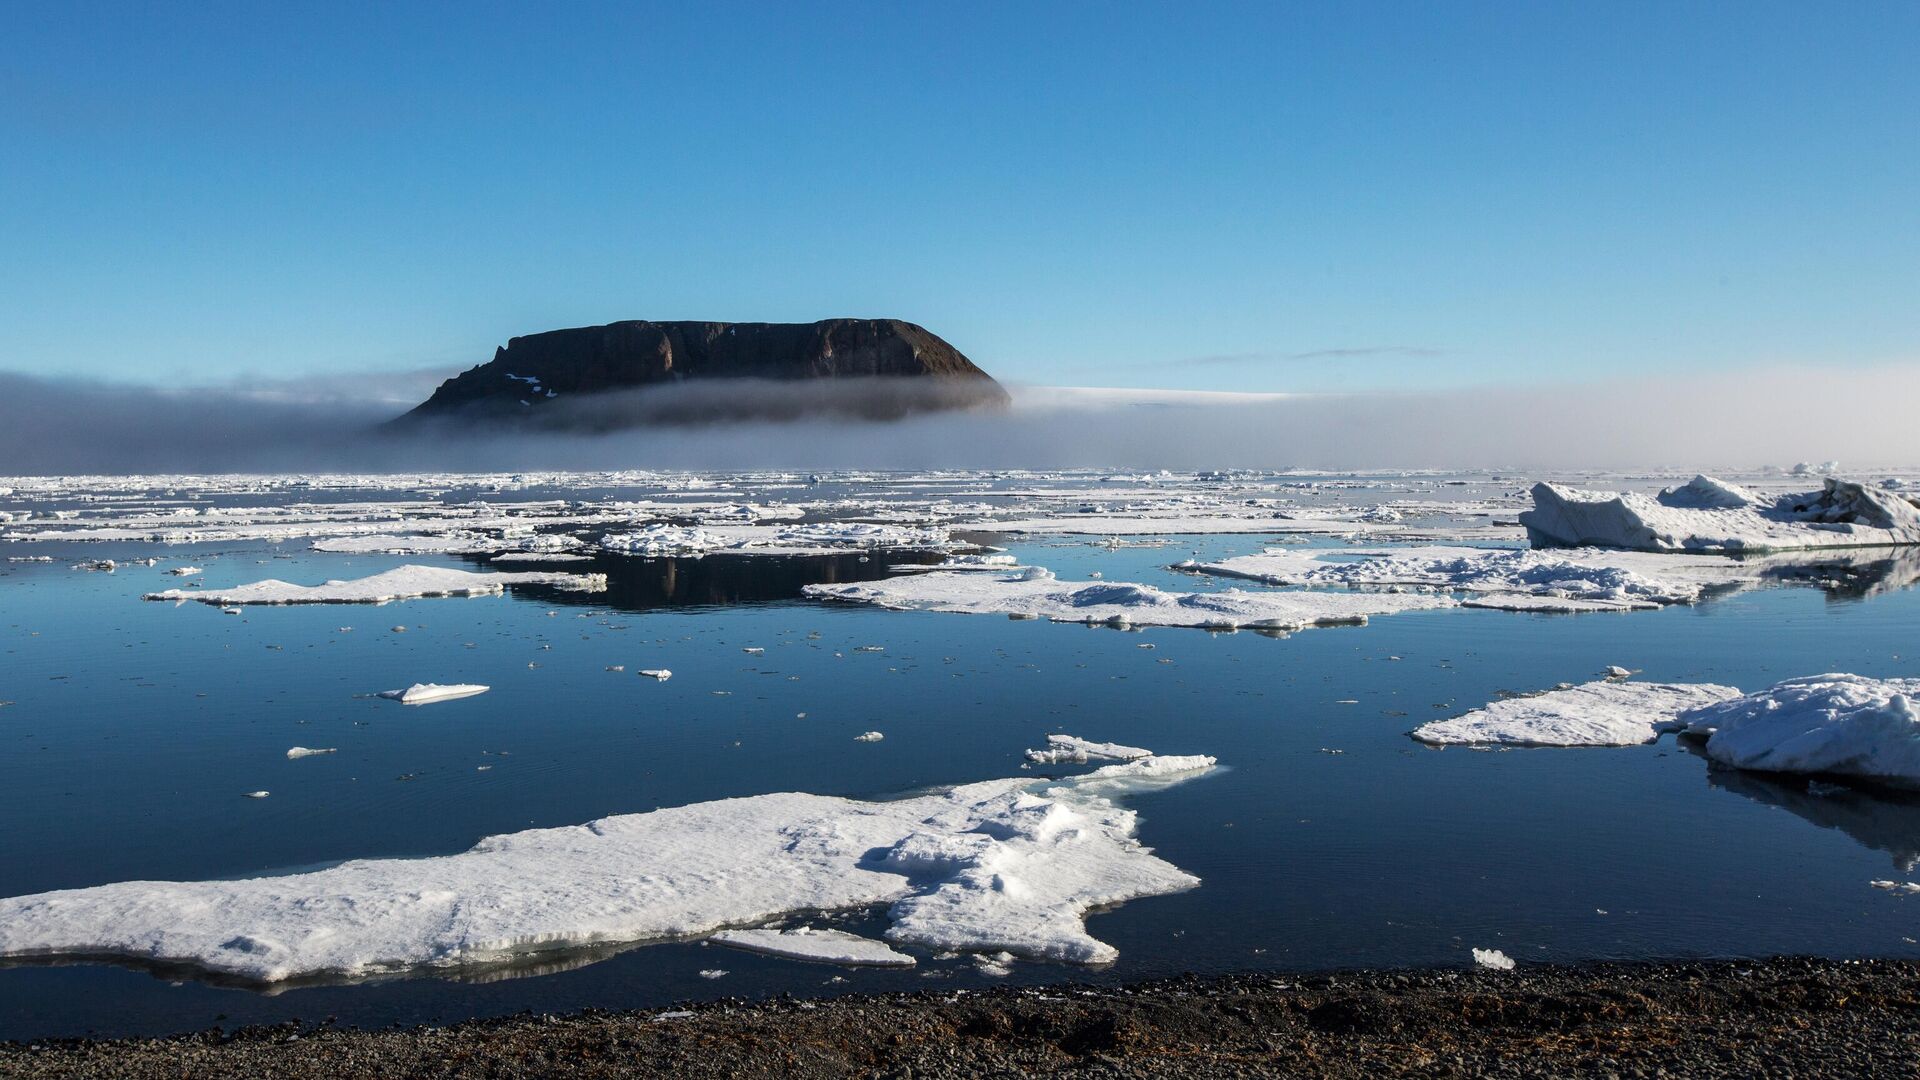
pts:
[545, 377]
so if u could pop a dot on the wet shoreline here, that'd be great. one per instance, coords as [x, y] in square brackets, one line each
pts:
[1778, 1017]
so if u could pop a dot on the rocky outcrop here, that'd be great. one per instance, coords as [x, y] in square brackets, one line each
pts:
[575, 378]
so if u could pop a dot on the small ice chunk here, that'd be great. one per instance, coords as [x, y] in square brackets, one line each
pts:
[820, 946]
[184, 571]
[258, 794]
[427, 693]
[870, 736]
[1615, 671]
[705, 973]
[305, 751]
[662, 674]
[1493, 958]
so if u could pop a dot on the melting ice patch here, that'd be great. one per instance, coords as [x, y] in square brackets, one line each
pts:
[1036, 593]
[1004, 865]
[1606, 713]
[819, 946]
[400, 583]
[1847, 725]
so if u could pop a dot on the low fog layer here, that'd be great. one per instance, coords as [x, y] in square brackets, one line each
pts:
[1862, 417]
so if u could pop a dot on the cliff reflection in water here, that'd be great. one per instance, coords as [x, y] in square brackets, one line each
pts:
[648, 583]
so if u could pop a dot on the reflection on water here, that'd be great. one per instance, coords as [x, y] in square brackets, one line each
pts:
[649, 583]
[1847, 573]
[1886, 821]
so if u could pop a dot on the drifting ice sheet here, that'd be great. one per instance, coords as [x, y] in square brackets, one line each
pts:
[1842, 724]
[400, 583]
[1036, 593]
[819, 946]
[1606, 713]
[1001, 865]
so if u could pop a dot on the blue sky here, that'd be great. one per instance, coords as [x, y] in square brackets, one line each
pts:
[1262, 197]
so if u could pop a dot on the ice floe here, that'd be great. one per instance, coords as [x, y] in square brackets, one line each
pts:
[1708, 515]
[1036, 593]
[428, 693]
[820, 946]
[400, 583]
[1003, 865]
[1845, 725]
[1071, 749]
[295, 752]
[1605, 713]
[1583, 580]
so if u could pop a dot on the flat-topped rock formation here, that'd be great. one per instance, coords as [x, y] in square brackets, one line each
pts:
[583, 378]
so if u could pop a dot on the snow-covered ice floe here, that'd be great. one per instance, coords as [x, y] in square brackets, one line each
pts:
[1003, 865]
[1605, 713]
[400, 583]
[819, 946]
[1844, 725]
[1036, 593]
[1585, 579]
[817, 538]
[1709, 515]
[428, 693]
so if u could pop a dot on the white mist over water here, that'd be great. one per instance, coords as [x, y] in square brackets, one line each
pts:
[1773, 416]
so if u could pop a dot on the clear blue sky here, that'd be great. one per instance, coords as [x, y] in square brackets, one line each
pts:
[1097, 194]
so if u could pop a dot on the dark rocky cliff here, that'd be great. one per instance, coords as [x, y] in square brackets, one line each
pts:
[568, 378]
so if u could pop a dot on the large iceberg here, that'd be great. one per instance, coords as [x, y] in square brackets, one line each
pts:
[1036, 593]
[1847, 725]
[1708, 515]
[1000, 866]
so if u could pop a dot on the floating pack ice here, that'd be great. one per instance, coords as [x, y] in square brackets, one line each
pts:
[1708, 515]
[1003, 865]
[1036, 593]
[400, 583]
[1847, 725]
[1605, 713]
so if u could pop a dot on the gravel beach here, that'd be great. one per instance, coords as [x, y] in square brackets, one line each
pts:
[1786, 1017]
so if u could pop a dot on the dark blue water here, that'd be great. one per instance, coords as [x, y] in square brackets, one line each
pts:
[135, 727]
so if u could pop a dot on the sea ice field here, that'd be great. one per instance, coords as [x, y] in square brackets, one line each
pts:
[424, 747]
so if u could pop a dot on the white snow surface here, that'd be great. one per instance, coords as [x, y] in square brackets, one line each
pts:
[428, 693]
[822, 946]
[1847, 725]
[1035, 592]
[1603, 713]
[400, 583]
[1708, 515]
[1003, 865]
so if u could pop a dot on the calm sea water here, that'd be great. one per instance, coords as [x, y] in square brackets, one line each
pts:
[134, 728]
